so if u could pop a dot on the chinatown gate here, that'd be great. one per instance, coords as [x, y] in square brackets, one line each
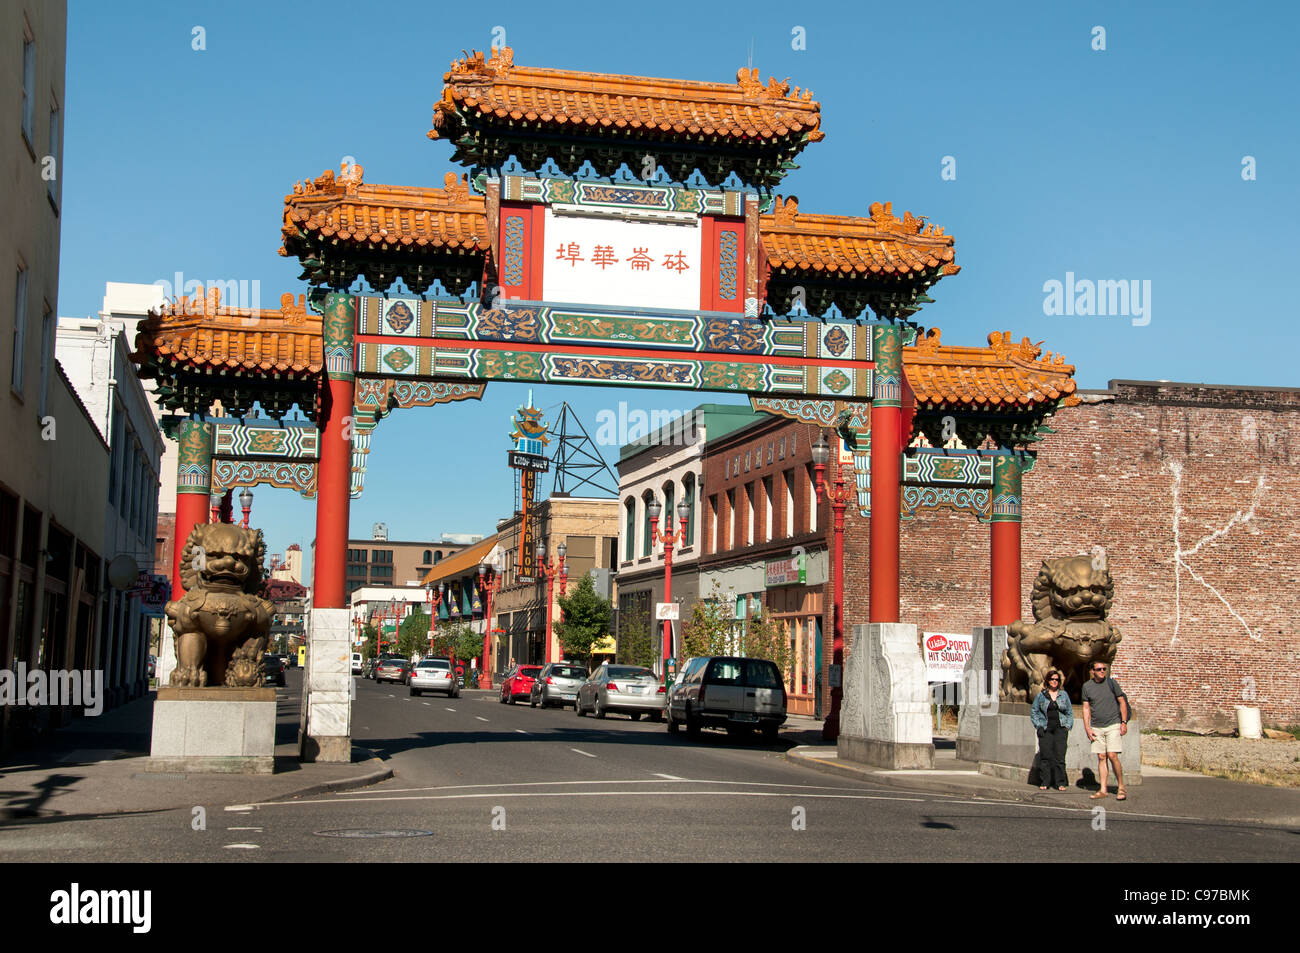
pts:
[611, 231]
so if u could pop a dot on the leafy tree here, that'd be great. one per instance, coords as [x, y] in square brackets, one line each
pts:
[712, 630]
[636, 636]
[413, 634]
[459, 640]
[586, 620]
[371, 646]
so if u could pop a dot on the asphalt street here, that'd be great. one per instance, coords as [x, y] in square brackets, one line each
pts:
[478, 780]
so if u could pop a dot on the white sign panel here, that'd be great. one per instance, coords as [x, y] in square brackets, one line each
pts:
[945, 656]
[667, 610]
[608, 261]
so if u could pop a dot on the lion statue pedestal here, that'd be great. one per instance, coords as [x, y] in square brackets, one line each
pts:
[1071, 598]
[215, 715]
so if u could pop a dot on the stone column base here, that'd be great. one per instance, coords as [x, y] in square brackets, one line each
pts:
[885, 716]
[1008, 744]
[213, 730]
[326, 724]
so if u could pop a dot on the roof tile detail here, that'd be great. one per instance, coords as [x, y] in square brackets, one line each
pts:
[344, 208]
[1003, 376]
[880, 245]
[203, 333]
[494, 86]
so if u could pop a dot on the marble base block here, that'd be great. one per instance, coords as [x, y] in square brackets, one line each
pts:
[885, 718]
[213, 730]
[325, 732]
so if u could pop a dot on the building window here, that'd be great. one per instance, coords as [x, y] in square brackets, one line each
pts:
[20, 330]
[428, 557]
[688, 494]
[749, 514]
[646, 541]
[437, 557]
[670, 502]
[814, 513]
[767, 509]
[629, 529]
[52, 181]
[29, 89]
[789, 502]
[47, 358]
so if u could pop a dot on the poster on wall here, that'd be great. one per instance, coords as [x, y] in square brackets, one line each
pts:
[945, 655]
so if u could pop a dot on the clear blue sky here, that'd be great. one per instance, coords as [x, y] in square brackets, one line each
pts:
[1122, 164]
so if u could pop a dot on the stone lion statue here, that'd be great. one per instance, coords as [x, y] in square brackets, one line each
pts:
[222, 626]
[1071, 598]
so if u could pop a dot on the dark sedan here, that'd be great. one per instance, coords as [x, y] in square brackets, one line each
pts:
[274, 670]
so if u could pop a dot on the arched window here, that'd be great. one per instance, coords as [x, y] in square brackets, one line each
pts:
[670, 501]
[688, 494]
[629, 529]
[647, 541]
[437, 556]
[428, 556]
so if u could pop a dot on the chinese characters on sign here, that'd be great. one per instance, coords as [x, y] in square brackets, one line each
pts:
[602, 256]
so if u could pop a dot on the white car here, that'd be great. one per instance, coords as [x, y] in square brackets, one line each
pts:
[434, 675]
[357, 663]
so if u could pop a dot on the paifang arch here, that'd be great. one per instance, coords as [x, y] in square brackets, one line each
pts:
[609, 231]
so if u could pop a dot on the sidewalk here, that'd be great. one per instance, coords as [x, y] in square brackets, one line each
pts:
[1163, 792]
[96, 766]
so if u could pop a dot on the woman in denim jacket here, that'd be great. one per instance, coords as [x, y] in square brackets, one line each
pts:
[1052, 716]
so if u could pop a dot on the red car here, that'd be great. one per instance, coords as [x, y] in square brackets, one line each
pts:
[519, 683]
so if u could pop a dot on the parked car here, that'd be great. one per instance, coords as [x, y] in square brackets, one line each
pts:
[631, 689]
[518, 683]
[392, 668]
[274, 670]
[738, 694]
[291, 660]
[372, 663]
[557, 684]
[357, 663]
[433, 675]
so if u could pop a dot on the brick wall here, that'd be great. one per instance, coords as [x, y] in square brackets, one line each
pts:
[1148, 471]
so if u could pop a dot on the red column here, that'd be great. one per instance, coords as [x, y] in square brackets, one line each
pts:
[334, 471]
[668, 597]
[885, 481]
[193, 486]
[1004, 541]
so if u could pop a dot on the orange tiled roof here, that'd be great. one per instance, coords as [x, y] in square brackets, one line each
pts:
[202, 332]
[345, 209]
[1003, 376]
[744, 110]
[840, 244]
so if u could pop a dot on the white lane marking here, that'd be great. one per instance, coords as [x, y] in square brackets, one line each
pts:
[241, 807]
[406, 699]
[521, 731]
[587, 753]
[258, 829]
[424, 703]
[538, 784]
[667, 777]
[491, 794]
[242, 847]
[451, 709]
[392, 696]
[480, 718]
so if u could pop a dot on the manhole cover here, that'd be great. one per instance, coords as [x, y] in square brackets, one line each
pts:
[358, 832]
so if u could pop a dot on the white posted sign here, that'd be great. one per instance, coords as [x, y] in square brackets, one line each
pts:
[608, 261]
[667, 610]
[945, 656]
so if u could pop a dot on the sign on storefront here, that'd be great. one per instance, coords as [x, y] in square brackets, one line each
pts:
[945, 655]
[787, 572]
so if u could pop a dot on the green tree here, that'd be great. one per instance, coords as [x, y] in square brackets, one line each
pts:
[586, 620]
[370, 648]
[636, 636]
[413, 634]
[457, 639]
[711, 629]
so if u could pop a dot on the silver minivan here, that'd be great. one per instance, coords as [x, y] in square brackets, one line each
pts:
[738, 694]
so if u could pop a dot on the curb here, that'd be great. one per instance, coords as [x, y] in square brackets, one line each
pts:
[342, 784]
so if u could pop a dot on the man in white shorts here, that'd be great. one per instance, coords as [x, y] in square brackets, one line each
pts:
[1105, 719]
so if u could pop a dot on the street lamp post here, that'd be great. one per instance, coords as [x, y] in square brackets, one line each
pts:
[489, 577]
[838, 498]
[435, 601]
[551, 568]
[215, 502]
[246, 501]
[669, 539]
